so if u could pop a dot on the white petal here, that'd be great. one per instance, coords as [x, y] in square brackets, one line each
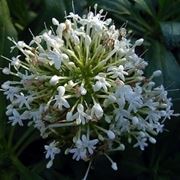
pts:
[61, 90]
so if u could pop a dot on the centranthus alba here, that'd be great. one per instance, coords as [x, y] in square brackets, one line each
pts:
[85, 79]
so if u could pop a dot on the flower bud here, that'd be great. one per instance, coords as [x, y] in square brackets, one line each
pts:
[87, 41]
[54, 80]
[152, 140]
[9, 112]
[97, 111]
[5, 85]
[110, 134]
[114, 166]
[135, 120]
[61, 90]
[151, 84]
[142, 134]
[100, 137]
[69, 116]
[55, 21]
[157, 73]
[139, 42]
[121, 147]
[6, 71]
[83, 91]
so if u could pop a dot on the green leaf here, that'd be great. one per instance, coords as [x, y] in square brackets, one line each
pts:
[171, 33]
[6, 28]
[169, 10]
[146, 6]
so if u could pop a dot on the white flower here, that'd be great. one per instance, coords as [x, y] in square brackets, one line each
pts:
[22, 100]
[122, 46]
[101, 83]
[133, 97]
[16, 62]
[158, 127]
[160, 92]
[17, 118]
[55, 57]
[52, 41]
[153, 116]
[11, 93]
[83, 148]
[51, 151]
[97, 111]
[117, 72]
[101, 93]
[79, 152]
[141, 142]
[80, 115]
[60, 100]
[94, 21]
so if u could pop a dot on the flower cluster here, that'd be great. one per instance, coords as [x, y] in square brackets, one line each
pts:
[82, 85]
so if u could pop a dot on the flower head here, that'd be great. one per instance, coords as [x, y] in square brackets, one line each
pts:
[86, 79]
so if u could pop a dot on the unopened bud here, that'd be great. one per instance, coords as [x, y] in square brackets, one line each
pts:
[157, 73]
[110, 134]
[87, 41]
[54, 80]
[55, 21]
[121, 147]
[142, 134]
[114, 166]
[100, 137]
[135, 120]
[152, 140]
[139, 42]
[6, 71]
[6, 85]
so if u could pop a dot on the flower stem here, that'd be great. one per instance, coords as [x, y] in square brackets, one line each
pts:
[87, 171]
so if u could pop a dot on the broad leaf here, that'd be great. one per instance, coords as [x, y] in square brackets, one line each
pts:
[171, 33]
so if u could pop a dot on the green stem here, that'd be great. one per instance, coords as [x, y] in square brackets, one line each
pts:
[22, 139]
[62, 125]
[11, 136]
[21, 168]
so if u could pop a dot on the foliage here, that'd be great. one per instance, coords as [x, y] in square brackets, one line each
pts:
[159, 22]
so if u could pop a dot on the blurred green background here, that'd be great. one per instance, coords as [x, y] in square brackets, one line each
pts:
[158, 22]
